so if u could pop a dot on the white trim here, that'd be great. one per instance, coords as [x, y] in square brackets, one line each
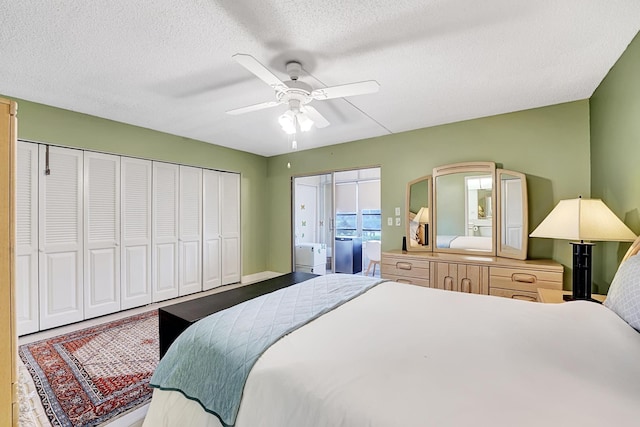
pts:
[257, 277]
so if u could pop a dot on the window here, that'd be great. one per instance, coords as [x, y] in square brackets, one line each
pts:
[371, 224]
[346, 224]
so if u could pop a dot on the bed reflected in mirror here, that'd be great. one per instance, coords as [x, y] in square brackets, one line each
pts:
[464, 207]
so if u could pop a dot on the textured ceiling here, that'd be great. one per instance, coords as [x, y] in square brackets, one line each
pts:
[166, 64]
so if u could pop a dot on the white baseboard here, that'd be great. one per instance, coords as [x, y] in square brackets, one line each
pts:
[256, 277]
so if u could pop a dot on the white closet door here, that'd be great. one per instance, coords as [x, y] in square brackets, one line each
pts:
[135, 264]
[164, 276]
[101, 234]
[27, 238]
[190, 233]
[211, 230]
[230, 226]
[60, 237]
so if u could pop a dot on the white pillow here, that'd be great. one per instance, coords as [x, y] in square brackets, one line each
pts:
[624, 294]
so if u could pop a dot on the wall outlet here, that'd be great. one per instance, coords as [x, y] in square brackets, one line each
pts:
[389, 221]
[397, 221]
[397, 212]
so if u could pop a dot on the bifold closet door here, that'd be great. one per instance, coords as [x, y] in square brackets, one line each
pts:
[190, 232]
[211, 230]
[135, 264]
[101, 234]
[164, 276]
[230, 226]
[27, 238]
[60, 236]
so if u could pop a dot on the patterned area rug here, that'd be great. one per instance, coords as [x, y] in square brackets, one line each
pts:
[94, 375]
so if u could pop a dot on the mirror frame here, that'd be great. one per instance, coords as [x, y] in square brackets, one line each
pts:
[428, 247]
[507, 251]
[480, 168]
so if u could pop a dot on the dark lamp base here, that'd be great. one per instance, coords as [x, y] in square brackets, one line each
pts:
[571, 298]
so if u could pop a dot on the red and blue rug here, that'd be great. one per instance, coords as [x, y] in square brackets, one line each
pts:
[94, 375]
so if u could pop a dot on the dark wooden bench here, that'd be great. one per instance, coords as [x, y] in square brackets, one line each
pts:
[174, 319]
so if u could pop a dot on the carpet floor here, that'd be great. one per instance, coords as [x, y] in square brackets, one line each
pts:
[94, 375]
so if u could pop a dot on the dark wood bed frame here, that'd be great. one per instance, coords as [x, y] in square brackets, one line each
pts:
[174, 319]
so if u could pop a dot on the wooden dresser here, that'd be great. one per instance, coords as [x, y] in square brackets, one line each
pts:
[487, 275]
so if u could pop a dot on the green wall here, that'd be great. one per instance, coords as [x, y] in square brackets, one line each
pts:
[550, 145]
[40, 123]
[615, 151]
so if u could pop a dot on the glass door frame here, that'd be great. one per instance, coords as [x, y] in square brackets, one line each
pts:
[330, 184]
[332, 215]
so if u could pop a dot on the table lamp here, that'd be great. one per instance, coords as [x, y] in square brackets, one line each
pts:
[579, 220]
[422, 217]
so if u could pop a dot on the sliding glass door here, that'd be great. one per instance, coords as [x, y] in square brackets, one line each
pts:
[334, 216]
[313, 223]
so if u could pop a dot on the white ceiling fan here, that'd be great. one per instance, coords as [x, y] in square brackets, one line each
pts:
[297, 94]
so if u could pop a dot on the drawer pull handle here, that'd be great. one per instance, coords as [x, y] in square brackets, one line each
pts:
[523, 278]
[403, 266]
[448, 283]
[465, 285]
[407, 281]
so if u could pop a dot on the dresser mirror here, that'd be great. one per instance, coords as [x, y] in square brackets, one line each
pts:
[468, 208]
[464, 203]
[512, 214]
[418, 206]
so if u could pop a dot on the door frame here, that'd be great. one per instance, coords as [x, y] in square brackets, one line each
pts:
[292, 184]
[8, 333]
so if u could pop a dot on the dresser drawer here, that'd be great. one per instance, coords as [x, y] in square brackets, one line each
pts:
[404, 270]
[524, 279]
[404, 267]
[405, 263]
[408, 280]
[514, 294]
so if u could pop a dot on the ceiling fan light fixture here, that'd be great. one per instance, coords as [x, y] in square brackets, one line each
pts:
[304, 122]
[288, 122]
[297, 94]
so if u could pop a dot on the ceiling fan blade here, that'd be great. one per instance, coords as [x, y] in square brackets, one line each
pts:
[317, 118]
[253, 107]
[350, 89]
[260, 71]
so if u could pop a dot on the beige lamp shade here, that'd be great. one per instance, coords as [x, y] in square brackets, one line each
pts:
[583, 219]
[422, 216]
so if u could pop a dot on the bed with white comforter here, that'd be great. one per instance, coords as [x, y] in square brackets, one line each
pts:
[403, 355]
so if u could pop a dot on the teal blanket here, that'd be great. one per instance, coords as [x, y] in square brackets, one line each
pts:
[211, 360]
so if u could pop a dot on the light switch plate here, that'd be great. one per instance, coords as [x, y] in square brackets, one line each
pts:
[397, 212]
[389, 221]
[397, 221]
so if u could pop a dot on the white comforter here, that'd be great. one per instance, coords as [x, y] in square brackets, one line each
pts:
[402, 355]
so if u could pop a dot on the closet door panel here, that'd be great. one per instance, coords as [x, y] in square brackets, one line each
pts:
[190, 240]
[211, 230]
[212, 268]
[102, 279]
[135, 267]
[230, 226]
[27, 238]
[164, 276]
[165, 269]
[101, 234]
[26, 296]
[136, 289]
[60, 235]
[230, 260]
